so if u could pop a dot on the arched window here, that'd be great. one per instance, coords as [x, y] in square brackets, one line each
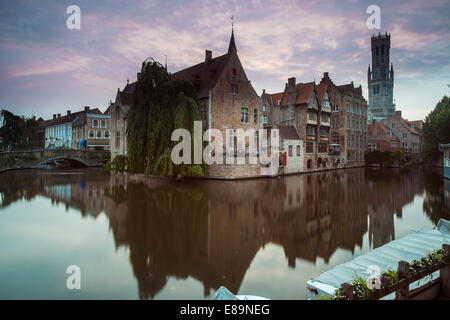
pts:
[99, 134]
[298, 151]
[309, 164]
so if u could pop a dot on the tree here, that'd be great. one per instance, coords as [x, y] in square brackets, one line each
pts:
[436, 129]
[18, 132]
[160, 106]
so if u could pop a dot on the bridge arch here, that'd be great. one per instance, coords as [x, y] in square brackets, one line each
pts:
[73, 161]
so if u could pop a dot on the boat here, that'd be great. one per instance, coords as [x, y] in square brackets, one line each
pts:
[224, 294]
[408, 248]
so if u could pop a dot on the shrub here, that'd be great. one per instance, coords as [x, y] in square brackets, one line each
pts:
[118, 164]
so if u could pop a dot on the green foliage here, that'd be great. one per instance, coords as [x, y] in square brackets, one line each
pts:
[385, 158]
[436, 129]
[118, 164]
[390, 277]
[360, 290]
[322, 297]
[160, 106]
[19, 132]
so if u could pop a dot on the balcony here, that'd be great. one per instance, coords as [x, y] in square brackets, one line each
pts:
[310, 121]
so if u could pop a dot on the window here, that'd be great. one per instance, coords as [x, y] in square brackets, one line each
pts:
[106, 134]
[393, 125]
[95, 123]
[117, 139]
[309, 147]
[244, 115]
[102, 124]
[99, 134]
[325, 117]
[311, 130]
[348, 122]
[348, 107]
[323, 147]
[233, 72]
[203, 112]
[264, 108]
[298, 151]
[91, 134]
[118, 113]
[266, 120]
[323, 131]
[234, 88]
[376, 89]
[335, 108]
[405, 136]
[255, 115]
[290, 151]
[382, 49]
[376, 50]
[312, 116]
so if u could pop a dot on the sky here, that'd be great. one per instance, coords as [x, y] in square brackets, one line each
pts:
[45, 68]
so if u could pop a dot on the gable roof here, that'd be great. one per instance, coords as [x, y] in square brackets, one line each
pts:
[204, 75]
[407, 126]
[320, 88]
[384, 130]
[69, 118]
[288, 132]
[273, 98]
[303, 93]
[417, 123]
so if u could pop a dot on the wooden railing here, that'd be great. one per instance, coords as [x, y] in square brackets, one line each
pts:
[401, 288]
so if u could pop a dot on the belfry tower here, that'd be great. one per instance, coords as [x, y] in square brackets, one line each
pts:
[380, 79]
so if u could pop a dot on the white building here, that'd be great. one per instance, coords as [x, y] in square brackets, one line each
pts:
[291, 149]
[58, 131]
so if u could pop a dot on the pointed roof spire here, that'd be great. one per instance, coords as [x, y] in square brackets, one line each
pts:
[232, 46]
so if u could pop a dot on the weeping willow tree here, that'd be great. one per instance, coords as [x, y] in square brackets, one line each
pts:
[160, 106]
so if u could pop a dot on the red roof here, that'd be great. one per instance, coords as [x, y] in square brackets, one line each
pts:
[274, 98]
[321, 90]
[303, 92]
[405, 123]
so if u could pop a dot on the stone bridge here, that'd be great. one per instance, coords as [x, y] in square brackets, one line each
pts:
[38, 158]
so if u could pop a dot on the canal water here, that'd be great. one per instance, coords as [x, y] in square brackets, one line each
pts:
[263, 237]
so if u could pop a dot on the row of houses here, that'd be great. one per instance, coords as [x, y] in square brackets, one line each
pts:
[88, 129]
[321, 125]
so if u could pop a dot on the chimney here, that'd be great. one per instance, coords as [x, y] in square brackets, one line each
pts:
[59, 115]
[208, 55]
[398, 114]
[54, 116]
[325, 75]
[68, 112]
[86, 108]
[264, 91]
[291, 82]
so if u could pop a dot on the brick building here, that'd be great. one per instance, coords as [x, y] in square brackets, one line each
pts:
[348, 125]
[226, 97]
[301, 107]
[410, 138]
[93, 128]
[381, 138]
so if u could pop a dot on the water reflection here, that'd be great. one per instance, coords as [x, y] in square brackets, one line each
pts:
[211, 230]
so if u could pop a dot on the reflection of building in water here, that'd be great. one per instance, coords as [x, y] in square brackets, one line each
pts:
[212, 230]
[389, 193]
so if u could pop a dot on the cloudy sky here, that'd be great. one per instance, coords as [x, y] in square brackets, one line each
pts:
[46, 68]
